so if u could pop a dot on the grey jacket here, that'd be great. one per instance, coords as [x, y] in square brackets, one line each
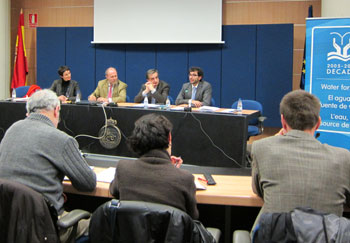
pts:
[35, 153]
[203, 93]
[296, 170]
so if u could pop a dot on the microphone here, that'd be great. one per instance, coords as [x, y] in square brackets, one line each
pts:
[317, 134]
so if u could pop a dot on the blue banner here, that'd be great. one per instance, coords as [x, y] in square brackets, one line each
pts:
[328, 76]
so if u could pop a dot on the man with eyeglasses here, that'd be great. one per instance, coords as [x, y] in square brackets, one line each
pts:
[35, 153]
[155, 90]
[197, 92]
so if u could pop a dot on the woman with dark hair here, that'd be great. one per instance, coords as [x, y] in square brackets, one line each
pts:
[65, 88]
[155, 177]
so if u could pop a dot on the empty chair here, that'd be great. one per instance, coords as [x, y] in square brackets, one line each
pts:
[136, 221]
[255, 126]
[22, 91]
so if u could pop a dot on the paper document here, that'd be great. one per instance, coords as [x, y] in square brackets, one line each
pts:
[209, 108]
[177, 108]
[199, 185]
[106, 175]
[149, 105]
[20, 99]
[228, 111]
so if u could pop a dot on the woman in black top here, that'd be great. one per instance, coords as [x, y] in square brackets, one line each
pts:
[65, 88]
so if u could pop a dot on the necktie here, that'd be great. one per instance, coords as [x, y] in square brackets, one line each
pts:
[110, 91]
[194, 90]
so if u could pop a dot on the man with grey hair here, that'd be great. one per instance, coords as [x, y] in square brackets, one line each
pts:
[35, 153]
[293, 169]
[155, 90]
[110, 89]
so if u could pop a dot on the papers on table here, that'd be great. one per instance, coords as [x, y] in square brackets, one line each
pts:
[20, 99]
[177, 108]
[106, 175]
[209, 108]
[199, 185]
[149, 105]
[228, 111]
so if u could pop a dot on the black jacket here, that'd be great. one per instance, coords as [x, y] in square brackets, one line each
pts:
[141, 222]
[24, 215]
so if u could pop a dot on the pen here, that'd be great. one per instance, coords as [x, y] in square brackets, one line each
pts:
[201, 179]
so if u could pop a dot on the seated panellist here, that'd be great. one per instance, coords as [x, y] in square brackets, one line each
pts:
[197, 92]
[65, 88]
[35, 153]
[110, 89]
[155, 176]
[293, 169]
[154, 89]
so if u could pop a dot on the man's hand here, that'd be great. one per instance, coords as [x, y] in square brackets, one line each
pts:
[149, 87]
[62, 98]
[176, 161]
[196, 103]
[102, 100]
[92, 98]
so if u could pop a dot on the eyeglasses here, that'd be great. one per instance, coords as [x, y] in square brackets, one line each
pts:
[193, 75]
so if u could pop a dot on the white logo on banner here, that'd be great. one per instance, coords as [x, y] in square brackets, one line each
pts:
[340, 54]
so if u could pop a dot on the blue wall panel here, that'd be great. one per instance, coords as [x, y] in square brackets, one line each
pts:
[139, 58]
[208, 57]
[254, 63]
[51, 49]
[80, 57]
[110, 56]
[172, 64]
[238, 63]
[274, 70]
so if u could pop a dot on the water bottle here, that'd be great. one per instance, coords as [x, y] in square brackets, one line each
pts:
[13, 93]
[239, 106]
[77, 98]
[167, 104]
[145, 102]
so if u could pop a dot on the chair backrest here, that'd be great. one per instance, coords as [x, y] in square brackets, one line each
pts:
[250, 105]
[136, 221]
[22, 91]
[24, 215]
[212, 101]
[127, 98]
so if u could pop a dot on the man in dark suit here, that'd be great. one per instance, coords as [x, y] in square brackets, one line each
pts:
[197, 92]
[156, 90]
[293, 169]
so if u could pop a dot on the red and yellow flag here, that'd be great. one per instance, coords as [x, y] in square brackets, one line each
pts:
[20, 68]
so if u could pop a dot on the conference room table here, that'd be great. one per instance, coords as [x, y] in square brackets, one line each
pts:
[204, 138]
[230, 190]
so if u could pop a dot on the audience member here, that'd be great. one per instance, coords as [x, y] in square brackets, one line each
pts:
[156, 90]
[35, 153]
[197, 92]
[110, 89]
[155, 176]
[65, 88]
[294, 169]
